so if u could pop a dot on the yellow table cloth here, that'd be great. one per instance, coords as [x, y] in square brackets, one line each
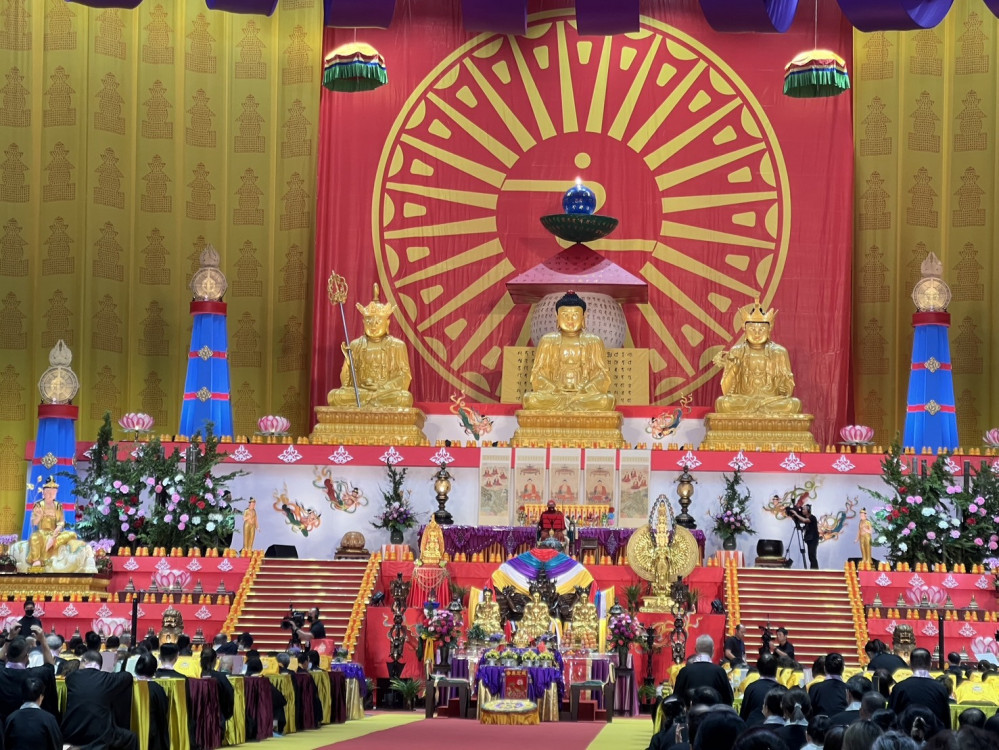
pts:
[322, 680]
[548, 708]
[355, 706]
[283, 683]
[176, 690]
[235, 728]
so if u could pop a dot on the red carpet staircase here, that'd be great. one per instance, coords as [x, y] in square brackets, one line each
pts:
[331, 585]
[814, 605]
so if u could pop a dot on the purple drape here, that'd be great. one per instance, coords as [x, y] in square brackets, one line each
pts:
[505, 17]
[368, 14]
[205, 712]
[602, 18]
[250, 7]
[895, 15]
[338, 697]
[765, 16]
[352, 671]
[259, 707]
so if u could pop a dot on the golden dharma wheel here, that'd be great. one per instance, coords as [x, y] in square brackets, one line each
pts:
[682, 553]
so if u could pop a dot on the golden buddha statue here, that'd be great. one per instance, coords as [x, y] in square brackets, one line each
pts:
[757, 407]
[49, 536]
[570, 401]
[864, 533]
[250, 525]
[535, 622]
[487, 614]
[172, 625]
[381, 363]
[432, 545]
[373, 405]
[585, 625]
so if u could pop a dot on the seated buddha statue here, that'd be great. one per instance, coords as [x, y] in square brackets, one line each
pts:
[49, 534]
[585, 625]
[757, 375]
[381, 364]
[535, 622]
[432, 545]
[570, 370]
[487, 614]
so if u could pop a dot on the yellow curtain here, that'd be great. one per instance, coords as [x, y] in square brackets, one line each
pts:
[925, 148]
[131, 139]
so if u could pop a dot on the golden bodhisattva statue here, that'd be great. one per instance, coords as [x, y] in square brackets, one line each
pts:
[585, 625]
[570, 402]
[49, 534]
[535, 622]
[373, 405]
[487, 614]
[757, 407]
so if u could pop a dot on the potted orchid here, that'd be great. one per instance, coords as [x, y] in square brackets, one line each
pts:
[623, 629]
[397, 515]
[733, 516]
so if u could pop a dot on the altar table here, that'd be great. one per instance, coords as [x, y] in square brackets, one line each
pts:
[283, 683]
[259, 708]
[355, 690]
[545, 687]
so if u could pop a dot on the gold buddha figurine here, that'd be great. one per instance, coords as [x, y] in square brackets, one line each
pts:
[432, 545]
[569, 402]
[535, 622]
[49, 535]
[487, 614]
[378, 364]
[864, 532]
[570, 367]
[381, 363]
[757, 406]
[585, 626]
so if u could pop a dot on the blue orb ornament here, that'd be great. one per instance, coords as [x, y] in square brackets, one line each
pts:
[579, 199]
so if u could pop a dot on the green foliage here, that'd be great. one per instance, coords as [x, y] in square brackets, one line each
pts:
[733, 516]
[408, 689]
[477, 633]
[397, 513]
[633, 597]
[927, 517]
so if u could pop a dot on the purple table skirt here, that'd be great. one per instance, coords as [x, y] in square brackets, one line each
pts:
[626, 688]
[539, 679]
[352, 671]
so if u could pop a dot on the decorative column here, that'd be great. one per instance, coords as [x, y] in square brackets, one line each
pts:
[931, 419]
[207, 387]
[55, 442]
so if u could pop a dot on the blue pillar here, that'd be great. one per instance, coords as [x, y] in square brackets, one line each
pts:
[54, 455]
[207, 387]
[931, 419]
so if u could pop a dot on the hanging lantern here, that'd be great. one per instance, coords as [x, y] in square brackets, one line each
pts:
[816, 73]
[354, 67]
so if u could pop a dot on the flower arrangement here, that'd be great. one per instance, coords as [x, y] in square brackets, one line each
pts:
[929, 518]
[622, 631]
[493, 655]
[733, 517]
[529, 658]
[398, 515]
[546, 657]
[441, 627]
[102, 550]
[477, 633]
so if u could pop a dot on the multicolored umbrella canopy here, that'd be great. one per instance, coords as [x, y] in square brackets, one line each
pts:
[522, 570]
[816, 73]
[354, 67]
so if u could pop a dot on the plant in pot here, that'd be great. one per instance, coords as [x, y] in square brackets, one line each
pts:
[733, 516]
[397, 515]
[647, 696]
[633, 596]
[477, 635]
[622, 630]
[408, 689]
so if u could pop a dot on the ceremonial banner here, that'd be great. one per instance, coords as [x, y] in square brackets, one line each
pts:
[131, 139]
[563, 476]
[530, 481]
[601, 470]
[925, 149]
[494, 486]
[633, 488]
[725, 191]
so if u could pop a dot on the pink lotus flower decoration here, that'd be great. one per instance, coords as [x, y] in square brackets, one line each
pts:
[107, 626]
[273, 425]
[984, 645]
[136, 421]
[934, 595]
[856, 434]
[170, 578]
[991, 438]
[8, 622]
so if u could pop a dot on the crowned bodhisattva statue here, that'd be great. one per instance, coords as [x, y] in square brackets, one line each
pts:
[373, 405]
[570, 402]
[757, 407]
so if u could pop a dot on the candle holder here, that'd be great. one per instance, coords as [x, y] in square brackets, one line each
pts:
[442, 486]
[685, 489]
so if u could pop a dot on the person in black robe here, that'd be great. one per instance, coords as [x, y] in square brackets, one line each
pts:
[755, 693]
[159, 703]
[921, 689]
[98, 706]
[254, 667]
[701, 672]
[30, 726]
[15, 671]
[830, 696]
[227, 694]
[168, 658]
[29, 622]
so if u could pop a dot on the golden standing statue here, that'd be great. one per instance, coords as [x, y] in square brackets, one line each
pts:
[864, 533]
[535, 622]
[378, 364]
[570, 402]
[487, 614]
[250, 525]
[757, 406]
[49, 535]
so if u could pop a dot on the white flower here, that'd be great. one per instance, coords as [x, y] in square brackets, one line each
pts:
[882, 539]
[210, 526]
[196, 520]
[903, 547]
[927, 511]
[942, 523]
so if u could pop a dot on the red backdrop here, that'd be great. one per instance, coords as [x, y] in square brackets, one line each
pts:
[725, 189]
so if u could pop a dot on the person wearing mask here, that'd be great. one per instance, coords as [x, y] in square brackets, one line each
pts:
[921, 689]
[830, 696]
[159, 703]
[29, 621]
[98, 707]
[30, 726]
[223, 646]
[700, 672]
[783, 647]
[755, 695]
[809, 526]
[16, 671]
[735, 646]
[796, 708]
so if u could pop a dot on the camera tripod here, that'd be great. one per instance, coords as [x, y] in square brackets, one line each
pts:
[796, 533]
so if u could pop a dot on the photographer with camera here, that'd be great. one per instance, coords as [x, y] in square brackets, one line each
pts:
[808, 524]
[304, 626]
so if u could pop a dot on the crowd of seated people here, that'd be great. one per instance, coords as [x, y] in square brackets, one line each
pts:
[897, 705]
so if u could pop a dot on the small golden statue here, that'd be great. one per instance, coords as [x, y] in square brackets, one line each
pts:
[373, 405]
[172, 626]
[757, 406]
[50, 548]
[570, 401]
[432, 545]
[535, 622]
[585, 624]
[250, 525]
[864, 532]
[487, 614]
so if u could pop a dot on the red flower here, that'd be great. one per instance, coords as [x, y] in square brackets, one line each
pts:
[201, 504]
[904, 510]
[903, 489]
[972, 522]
